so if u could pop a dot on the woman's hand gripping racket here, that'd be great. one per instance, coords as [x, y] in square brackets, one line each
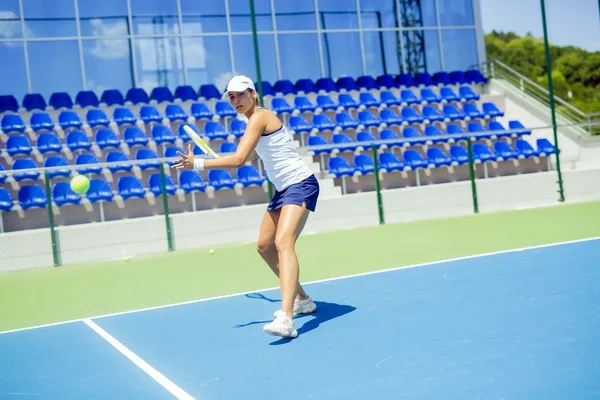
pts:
[187, 160]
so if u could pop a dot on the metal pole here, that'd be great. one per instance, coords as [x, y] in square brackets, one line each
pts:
[472, 174]
[163, 182]
[552, 111]
[51, 221]
[378, 186]
[258, 74]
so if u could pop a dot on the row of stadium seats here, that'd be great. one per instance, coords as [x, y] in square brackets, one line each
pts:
[58, 100]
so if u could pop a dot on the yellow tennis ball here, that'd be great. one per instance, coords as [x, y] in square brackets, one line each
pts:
[211, 251]
[80, 184]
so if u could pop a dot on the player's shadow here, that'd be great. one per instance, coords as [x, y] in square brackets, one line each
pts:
[325, 312]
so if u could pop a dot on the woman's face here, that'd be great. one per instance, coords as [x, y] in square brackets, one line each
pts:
[242, 101]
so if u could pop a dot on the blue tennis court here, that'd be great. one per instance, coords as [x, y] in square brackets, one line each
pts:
[513, 325]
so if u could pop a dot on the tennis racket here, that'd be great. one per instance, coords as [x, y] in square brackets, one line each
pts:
[199, 142]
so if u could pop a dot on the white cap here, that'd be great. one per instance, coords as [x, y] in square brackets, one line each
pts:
[239, 83]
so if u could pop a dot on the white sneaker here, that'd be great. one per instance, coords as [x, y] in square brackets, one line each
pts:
[282, 325]
[305, 306]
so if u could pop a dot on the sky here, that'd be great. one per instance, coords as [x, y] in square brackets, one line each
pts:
[570, 22]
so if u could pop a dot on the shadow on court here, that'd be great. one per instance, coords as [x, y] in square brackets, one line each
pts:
[325, 312]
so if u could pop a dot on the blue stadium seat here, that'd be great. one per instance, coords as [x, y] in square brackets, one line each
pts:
[78, 140]
[150, 114]
[322, 122]
[366, 82]
[368, 100]
[191, 181]
[147, 154]
[185, 93]
[346, 83]
[88, 159]
[281, 106]
[156, 187]
[504, 150]
[112, 97]
[96, 117]
[325, 103]
[87, 98]
[345, 121]
[228, 147]
[285, 87]
[474, 76]
[134, 136]
[318, 140]
[438, 158]
[57, 161]
[365, 136]
[517, 126]
[495, 126]
[267, 89]
[482, 153]
[411, 116]
[389, 99]
[459, 155]
[433, 134]
[431, 115]
[31, 196]
[18, 144]
[306, 86]
[106, 138]
[171, 151]
[12, 123]
[99, 191]
[34, 101]
[41, 121]
[2, 176]
[442, 78]
[298, 124]
[428, 96]
[407, 80]
[69, 119]
[545, 148]
[60, 100]
[137, 96]
[24, 163]
[425, 79]
[175, 112]
[209, 91]
[248, 175]
[367, 119]
[347, 101]
[414, 160]
[183, 134]
[130, 186]
[162, 134]
[124, 116]
[447, 95]
[471, 111]
[327, 85]
[215, 130]
[303, 104]
[408, 97]
[117, 156]
[412, 133]
[162, 94]
[451, 113]
[491, 111]
[220, 179]
[62, 194]
[456, 132]
[387, 81]
[458, 77]
[467, 94]
[339, 167]
[388, 134]
[478, 129]
[389, 117]
[224, 109]
[343, 142]
[201, 111]
[48, 142]
[389, 162]
[237, 127]
[524, 149]
[6, 202]
[8, 103]
[364, 164]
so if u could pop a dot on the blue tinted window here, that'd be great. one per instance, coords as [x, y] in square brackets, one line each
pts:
[158, 62]
[239, 12]
[12, 70]
[243, 52]
[107, 64]
[10, 19]
[378, 14]
[295, 15]
[207, 60]
[299, 55]
[337, 14]
[382, 52]
[54, 67]
[49, 18]
[154, 17]
[203, 16]
[432, 51]
[460, 49]
[341, 54]
[427, 13]
[456, 12]
[105, 18]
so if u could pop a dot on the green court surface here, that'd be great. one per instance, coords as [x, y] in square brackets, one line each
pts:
[52, 295]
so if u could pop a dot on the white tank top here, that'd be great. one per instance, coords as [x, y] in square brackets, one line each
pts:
[283, 164]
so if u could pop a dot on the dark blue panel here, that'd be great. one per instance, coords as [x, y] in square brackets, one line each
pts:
[456, 12]
[295, 15]
[460, 49]
[336, 14]
[341, 54]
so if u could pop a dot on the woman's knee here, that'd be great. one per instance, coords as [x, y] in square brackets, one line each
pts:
[265, 246]
[284, 243]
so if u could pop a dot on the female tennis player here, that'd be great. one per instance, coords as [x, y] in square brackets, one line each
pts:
[297, 190]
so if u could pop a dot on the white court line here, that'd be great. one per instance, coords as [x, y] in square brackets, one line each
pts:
[310, 283]
[162, 380]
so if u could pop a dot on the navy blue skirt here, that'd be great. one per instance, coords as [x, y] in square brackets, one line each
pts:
[306, 191]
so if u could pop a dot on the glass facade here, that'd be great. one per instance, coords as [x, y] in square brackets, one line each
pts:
[96, 45]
